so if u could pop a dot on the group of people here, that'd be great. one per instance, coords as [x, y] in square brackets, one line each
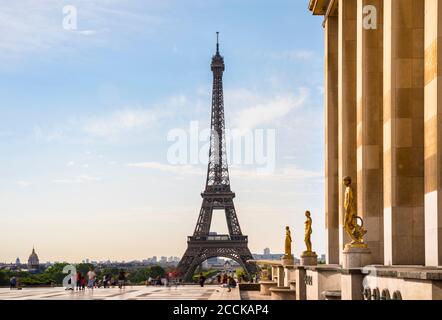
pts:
[227, 281]
[90, 280]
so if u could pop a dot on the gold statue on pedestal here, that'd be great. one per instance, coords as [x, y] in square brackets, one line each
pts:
[355, 231]
[288, 243]
[307, 237]
[308, 232]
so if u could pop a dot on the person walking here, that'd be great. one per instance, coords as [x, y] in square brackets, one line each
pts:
[231, 284]
[202, 279]
[13, 283]
[121, 279]
[83, 282]
[91, 275]
[78, 280]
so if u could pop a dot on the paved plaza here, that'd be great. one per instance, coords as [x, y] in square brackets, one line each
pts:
[129, 293]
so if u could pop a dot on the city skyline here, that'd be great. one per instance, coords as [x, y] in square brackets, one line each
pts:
[148, 259]
[86, 116]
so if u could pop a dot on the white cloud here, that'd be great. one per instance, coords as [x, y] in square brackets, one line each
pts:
[77, 180]
[70, 164]
[295, 55]
[289, 173]
[121, 121]
[37, 26]
[267, 110]
[179, 169]
[24, 184]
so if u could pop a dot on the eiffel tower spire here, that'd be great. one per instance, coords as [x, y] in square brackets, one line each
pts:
[218, 172]
[217, 195]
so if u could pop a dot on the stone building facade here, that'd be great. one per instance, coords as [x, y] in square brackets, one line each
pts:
[383, 116]
[383, 125]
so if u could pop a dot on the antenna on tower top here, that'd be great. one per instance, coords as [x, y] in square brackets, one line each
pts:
[217, 42]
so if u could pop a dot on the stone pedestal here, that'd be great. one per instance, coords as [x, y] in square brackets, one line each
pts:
[282, 293]
[352, 284]
[266, 286]
[288, 261]
[309, 259]
[356, 257]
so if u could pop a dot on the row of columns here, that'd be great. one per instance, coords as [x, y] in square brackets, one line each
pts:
[383, 128]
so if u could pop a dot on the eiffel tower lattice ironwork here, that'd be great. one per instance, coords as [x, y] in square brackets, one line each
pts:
[217, 195]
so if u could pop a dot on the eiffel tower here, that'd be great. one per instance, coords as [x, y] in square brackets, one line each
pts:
[217, 195]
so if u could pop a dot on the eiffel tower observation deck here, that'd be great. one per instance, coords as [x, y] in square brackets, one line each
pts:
[217, 195]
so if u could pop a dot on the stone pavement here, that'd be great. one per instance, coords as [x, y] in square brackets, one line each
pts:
[129, 293]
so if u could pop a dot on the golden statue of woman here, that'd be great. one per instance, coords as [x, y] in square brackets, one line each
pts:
[355, 231]
[288, 242]
[308, 232]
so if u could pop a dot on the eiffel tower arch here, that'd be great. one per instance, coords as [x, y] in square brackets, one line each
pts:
[217, 195]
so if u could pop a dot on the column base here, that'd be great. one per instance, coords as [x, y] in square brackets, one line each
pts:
[309, 258]
[288, 260]
[356, 256]
[283, 293]
[265, 287]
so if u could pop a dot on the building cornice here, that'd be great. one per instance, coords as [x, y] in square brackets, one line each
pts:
[326, 8]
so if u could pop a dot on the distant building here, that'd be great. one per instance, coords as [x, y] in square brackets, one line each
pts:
[33, 261]
[267, 255]
[17, 262]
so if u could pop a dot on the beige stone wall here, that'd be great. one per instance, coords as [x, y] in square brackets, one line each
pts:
[410, 289]
[403, 132]
[383, 128]
[347, 107]
[331, 138]
[369, 127]
[433, 141]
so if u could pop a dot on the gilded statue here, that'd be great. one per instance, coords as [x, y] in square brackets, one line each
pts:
[288, 242]
[308, 232]
[354, 230]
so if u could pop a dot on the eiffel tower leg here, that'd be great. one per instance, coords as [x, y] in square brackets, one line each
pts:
[196, 254]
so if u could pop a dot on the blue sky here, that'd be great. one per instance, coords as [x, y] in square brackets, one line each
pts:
[85, 116]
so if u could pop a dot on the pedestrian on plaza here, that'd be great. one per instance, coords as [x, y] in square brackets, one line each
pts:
[13, 283]
[91, 278]
[121, 279]
[202, 279]
[78, 280]
[231, 284]
[83, 282]
[218, 278]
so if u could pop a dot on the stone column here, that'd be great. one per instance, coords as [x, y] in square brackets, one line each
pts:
[433, 133]
[281, 274]
[369, 126]
[301, 288]
[331, 140]
[346, 107]
[404, 132]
